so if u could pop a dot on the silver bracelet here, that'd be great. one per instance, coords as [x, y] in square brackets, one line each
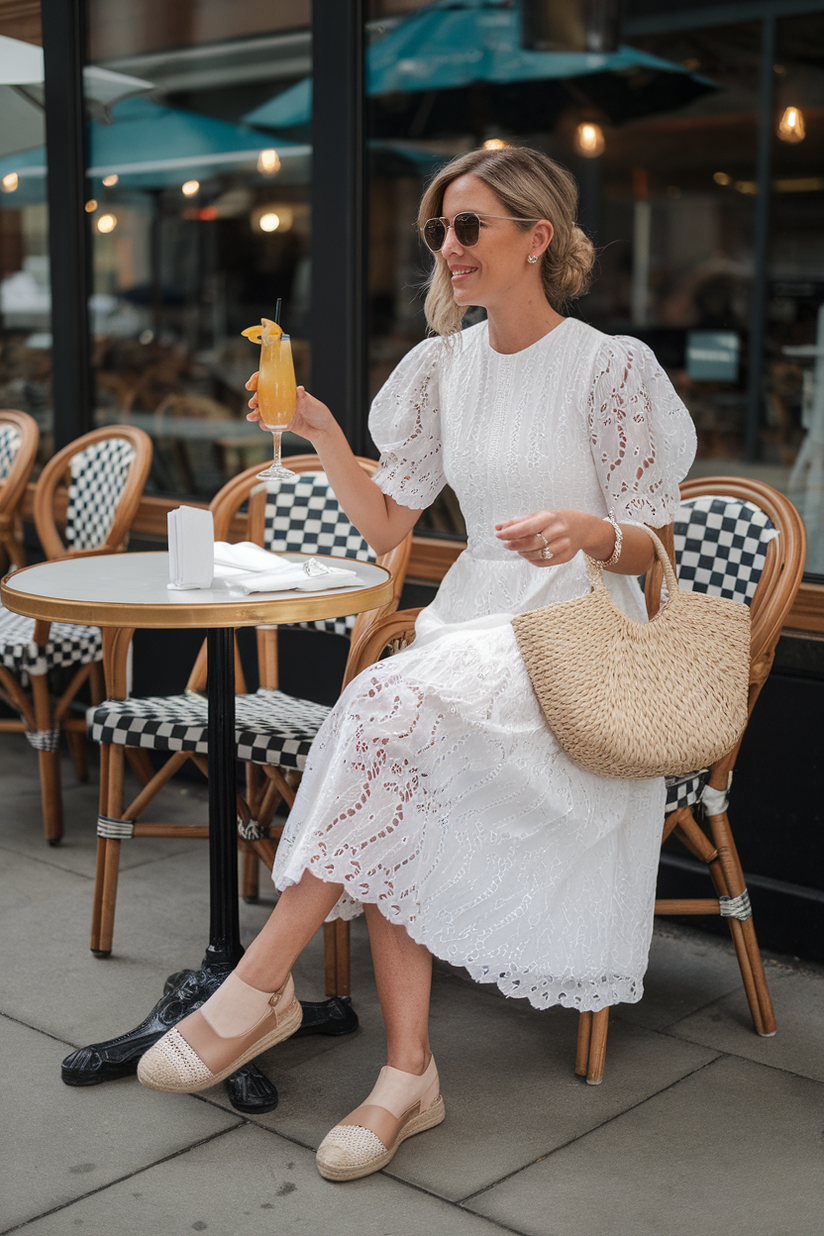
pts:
[619, 540]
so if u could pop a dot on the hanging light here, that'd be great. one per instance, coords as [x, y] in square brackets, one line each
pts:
[106, 223]
[791, 125]
[495, 143]
[190, 188]
[722, 178]
[589, 140]
[91, 206]
[270, 222]
[10, 182]
[111, 181]
[268, 162]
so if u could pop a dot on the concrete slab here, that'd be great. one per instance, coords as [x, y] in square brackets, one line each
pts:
[506, 1073]
[734, 1148]
[58, 1143]
[688, 969]
[22, 833]
[798, 1045]
[252, 1182]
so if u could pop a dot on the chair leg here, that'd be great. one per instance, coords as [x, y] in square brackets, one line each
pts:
[336, 958]
[50, 791]
[249, 878]
[743, 931]
[590, 1055]
[77, 750]
[108, 850]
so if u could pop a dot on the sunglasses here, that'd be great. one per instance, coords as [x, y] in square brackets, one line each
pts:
[466, 226]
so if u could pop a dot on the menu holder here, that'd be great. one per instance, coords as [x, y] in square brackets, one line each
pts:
[191, 548]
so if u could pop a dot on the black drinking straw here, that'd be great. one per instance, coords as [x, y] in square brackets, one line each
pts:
[277, 311]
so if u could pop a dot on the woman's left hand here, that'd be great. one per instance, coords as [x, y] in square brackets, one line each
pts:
[550, 538]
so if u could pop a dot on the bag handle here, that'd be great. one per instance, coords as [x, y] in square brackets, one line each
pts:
[596, 572]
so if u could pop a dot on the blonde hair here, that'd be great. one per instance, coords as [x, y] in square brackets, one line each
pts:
[530, 186]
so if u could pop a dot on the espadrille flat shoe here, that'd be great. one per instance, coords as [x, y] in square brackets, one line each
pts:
[234, 1025]
[400, 1104]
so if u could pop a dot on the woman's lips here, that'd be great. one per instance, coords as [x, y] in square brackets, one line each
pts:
[459, 273]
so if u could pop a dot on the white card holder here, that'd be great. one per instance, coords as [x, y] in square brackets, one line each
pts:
[191, 548]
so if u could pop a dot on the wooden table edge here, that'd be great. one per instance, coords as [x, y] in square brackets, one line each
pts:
[238, 612]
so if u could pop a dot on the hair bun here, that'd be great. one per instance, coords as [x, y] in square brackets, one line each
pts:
[569, 270]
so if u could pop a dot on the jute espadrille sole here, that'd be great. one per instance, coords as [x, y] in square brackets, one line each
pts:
[283, 1030]
[433, 1115]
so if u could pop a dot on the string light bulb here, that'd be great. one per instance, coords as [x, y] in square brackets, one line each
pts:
[495, 143]
[190, 188]
[106, 223]
[270, 222]
[268, 162]
[791, 125]
[10, 182]
[589, 140]
[111, 181]
[91, 206]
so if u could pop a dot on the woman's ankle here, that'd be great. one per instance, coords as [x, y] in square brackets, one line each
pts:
[261, 974]
[410, 1058]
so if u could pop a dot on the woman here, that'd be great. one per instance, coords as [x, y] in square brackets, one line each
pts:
[435, 795]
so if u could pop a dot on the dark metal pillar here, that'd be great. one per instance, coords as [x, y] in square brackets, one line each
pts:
[64, 53]
[338, 332]
[224, 939]
[761, 241]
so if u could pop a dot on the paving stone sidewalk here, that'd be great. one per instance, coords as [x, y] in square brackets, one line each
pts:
[700, 1127]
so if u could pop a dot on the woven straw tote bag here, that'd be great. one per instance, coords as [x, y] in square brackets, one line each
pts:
[640, 699]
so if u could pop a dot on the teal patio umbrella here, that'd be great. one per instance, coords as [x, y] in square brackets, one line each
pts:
[152, 146]
[419, 72]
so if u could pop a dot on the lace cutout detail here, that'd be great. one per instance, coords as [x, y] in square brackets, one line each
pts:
[404, 423]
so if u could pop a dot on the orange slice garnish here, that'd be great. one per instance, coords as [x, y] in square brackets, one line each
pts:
[266, 332]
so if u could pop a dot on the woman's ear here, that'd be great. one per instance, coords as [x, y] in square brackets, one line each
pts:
[542, 234]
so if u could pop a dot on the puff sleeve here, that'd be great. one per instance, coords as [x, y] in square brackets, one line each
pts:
[641, 435]
[404, 422]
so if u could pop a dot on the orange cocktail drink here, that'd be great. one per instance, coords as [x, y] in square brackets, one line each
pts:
[277, 392]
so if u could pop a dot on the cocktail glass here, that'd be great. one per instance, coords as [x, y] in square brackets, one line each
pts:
[277, 393]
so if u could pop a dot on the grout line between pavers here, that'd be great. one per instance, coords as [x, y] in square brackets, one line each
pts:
[588, 1133]
[176, 1154]
[18, 1021]
[35, 858]
[726, 1051]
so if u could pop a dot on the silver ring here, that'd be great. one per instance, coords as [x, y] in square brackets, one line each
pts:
[545, 553]
[543, 538]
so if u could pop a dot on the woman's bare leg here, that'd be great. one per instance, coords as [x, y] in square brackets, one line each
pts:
[300, 910]
[403, 972]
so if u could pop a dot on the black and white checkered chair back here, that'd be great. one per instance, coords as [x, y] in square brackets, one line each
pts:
[303, 517]
[98, 477]
[720, 549]
[10, 440]
[721, 546]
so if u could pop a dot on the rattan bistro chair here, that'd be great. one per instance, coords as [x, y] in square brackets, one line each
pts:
[19, 438]
[736, 538]
[274, 730]
[103, 473]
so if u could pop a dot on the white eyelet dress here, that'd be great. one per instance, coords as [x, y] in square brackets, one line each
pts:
[435, 788]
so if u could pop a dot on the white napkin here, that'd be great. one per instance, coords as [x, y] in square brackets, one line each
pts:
[248, 568]
[191, 548]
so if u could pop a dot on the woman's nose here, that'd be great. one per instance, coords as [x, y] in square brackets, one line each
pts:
[450, 244]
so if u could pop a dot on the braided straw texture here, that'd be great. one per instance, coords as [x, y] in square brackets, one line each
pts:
[633, 699]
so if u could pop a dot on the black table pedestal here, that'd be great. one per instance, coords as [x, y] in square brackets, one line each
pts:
[184, 992]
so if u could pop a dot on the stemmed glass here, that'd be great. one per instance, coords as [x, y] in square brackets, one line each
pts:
[277, 395]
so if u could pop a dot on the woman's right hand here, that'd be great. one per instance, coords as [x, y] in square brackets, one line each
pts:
[312, 418]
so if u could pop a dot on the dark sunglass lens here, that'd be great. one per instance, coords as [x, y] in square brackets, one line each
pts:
[467, 229]
[434, 233]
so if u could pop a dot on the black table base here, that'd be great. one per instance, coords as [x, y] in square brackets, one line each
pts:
[184, 992]
[249, 1089]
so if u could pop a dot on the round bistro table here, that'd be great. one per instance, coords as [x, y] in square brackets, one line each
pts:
[130, 591]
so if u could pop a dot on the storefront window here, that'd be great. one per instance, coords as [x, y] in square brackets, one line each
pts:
[200, 222]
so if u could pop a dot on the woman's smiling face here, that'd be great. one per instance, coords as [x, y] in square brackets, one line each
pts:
[497, 264]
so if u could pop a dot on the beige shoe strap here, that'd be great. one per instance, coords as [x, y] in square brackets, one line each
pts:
[395, 1099]
[236, 1008]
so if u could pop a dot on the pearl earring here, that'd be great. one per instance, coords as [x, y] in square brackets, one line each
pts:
[532, 259]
